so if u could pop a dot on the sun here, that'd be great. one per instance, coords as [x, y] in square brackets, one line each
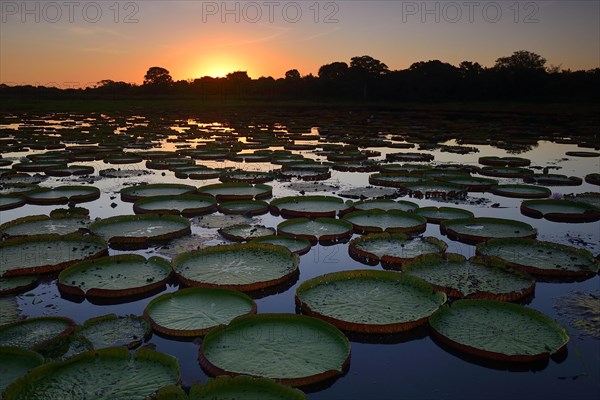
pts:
[216, 65]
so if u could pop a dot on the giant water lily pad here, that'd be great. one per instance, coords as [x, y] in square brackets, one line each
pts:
[369, 192]
[42, 224]
[319, 229]
[298, 246]
[34, 333]
[186, 204]
[392, 249]
[32, 255]
[472, 183]
[593, 179]
[8, 202]
[9, 310]
[244, 207]
[475, 230]
[473, 278]
[435, 215]
[110, 330]
[139, 231]
[17, 284]
[541, 258]
[293, 349]
[247, 177]
[393, 180]
[504, 161]
[245, 267]
[134, 193]
[393, 221]
[369, 301]
[62, 195]
[522, 191]
[16, 362]
[498, 330]
[245, 388]
[505, 172]
[386, 205]
[195, 311]
[435, 189]
[99, 374]
[196, 172]
[237, 191]
[553, 180]
[308, 206]
[560, 210]
[243, 232]
[115, 276]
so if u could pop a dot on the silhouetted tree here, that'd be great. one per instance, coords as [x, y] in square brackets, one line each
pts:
[521, 60]
[158, 76]
[293, 74]
[334, 71]
[369, 66]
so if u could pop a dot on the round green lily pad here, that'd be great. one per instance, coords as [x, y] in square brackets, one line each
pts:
[593, 179]
[505, 172]
[498, 330]
[244, 232]
[115, 276]
[245, 267]
[110, 330]
[319, 229]
[185, 204]
[583, 153]
[9, 310]
[196, 172]
[195, 311]
[475, 230]
[16, 362]
[32, 333]
[386, 205]
[237, 191]
[76, 170]
[477, 277]
[245, 207]
[553, 180]
[392, 249]
[294, 349]
[308, 206]
[298, 246]
[434, 189]
[393, 221]
[37, 166]
[47, 253]
[110, 373]
[541, 258]
[245, 388]
[560, 210]
[304, 174]
[522, 191]
[504, 161]
[247, 177]
[436, 215]
[42, 224]
[62, 195]
[393, 180]
[369, 192]
[369, 301]
[472, 183]
[134, 193]
[138, 231]
[17, 284]
[8, 202]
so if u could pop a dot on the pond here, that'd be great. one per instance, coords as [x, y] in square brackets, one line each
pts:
[409, 365]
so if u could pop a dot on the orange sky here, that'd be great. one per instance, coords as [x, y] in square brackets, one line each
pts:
[49, 44]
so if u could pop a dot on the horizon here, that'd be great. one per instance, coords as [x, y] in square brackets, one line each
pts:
[78, 44]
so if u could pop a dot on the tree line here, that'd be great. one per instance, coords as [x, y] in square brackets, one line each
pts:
[522, 76]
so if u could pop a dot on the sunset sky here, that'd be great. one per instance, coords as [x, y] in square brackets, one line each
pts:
[79, 43]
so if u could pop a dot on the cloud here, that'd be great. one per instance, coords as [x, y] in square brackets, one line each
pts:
[319, 35]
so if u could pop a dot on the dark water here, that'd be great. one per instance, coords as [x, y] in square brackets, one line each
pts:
[409, 366]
